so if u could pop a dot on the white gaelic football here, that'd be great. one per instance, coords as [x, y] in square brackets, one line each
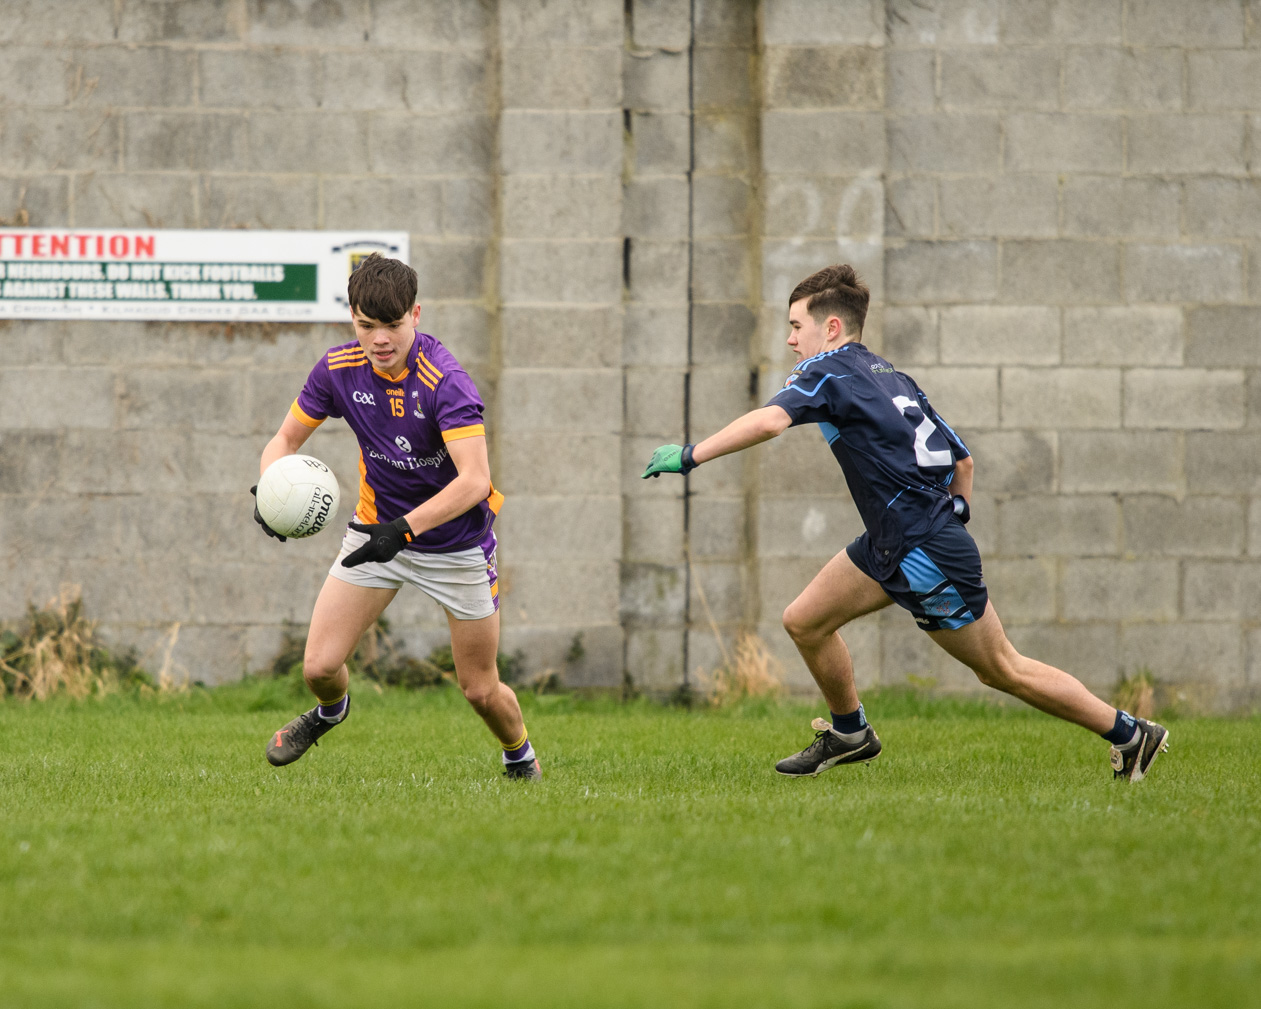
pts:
[297, 495]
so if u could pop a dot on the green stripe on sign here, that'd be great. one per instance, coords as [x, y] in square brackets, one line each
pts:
[299, 284]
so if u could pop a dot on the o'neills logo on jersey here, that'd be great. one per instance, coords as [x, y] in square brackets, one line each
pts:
[316, 515]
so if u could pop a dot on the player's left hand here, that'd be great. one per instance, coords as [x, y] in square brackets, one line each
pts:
[670, 459]
[259, 519]
[385, 540]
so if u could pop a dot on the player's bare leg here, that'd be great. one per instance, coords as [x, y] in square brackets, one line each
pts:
[342, 613]
[474, 646]
[983, 647]
[837, 594]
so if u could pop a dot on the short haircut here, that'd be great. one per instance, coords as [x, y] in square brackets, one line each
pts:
[835, 290]
[382, 289]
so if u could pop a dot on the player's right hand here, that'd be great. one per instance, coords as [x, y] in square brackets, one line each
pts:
[670, 459]
[259, 519]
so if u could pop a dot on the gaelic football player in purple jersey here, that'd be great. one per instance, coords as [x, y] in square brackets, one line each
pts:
[425, 512]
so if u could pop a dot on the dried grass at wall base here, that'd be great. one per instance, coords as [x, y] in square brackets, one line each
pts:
[751, 671]
[56, 650]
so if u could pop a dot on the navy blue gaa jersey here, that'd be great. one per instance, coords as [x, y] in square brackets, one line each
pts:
[898, 456]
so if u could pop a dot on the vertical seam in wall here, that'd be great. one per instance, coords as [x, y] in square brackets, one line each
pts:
[491, 295]
[691, 311]
[753, 469]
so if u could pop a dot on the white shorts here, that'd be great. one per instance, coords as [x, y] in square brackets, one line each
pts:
[464, 583]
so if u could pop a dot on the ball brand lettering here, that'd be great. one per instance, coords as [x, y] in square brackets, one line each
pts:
[315, 464]
[363, 397]
[317, 513]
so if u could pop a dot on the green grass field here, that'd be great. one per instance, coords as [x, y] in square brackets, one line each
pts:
[150, 857]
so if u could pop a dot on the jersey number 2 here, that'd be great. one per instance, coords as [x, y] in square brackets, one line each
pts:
[926, 457]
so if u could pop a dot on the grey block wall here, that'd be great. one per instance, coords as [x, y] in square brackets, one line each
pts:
[1055, 203]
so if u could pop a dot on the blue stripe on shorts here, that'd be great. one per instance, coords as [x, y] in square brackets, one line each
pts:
[939, 581]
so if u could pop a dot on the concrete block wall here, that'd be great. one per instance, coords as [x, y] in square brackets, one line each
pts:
[1067, 227]
[137, 440]
[559, 418]
[1055, 203]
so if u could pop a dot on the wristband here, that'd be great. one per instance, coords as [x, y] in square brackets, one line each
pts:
[686, 464]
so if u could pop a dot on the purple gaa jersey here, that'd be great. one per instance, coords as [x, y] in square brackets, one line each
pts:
[403, 429]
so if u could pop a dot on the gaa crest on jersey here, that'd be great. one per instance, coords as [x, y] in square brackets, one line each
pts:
[795, 374]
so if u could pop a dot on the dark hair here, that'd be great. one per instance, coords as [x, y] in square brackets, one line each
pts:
[835, 290]
[382, 289]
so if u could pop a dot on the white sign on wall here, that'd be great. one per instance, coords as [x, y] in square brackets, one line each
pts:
[283, 276]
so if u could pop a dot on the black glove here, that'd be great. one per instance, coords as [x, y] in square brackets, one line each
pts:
[384, 541]
[960, 505]
[259, 519]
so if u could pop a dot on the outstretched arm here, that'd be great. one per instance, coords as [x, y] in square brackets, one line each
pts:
[751, 429]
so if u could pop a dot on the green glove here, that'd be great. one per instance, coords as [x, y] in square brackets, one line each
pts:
[670, 459]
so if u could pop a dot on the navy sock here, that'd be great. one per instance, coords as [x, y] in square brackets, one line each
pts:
[334, 712]
[1122, 730]
[855, 721]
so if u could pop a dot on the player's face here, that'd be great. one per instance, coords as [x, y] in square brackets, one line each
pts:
[386, 343]
[805, 336]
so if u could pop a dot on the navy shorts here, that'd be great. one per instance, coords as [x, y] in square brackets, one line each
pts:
[939, 581]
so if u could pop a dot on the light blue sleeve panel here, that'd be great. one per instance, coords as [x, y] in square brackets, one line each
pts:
[818, 391]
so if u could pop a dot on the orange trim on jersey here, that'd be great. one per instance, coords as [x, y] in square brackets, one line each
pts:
[494, 500]
[471, 431]
[391, 378]
[494, 591]
[348, 364]
[334, 355]
[422, 360]
[366, 509]
[302, 417]
[425, 378]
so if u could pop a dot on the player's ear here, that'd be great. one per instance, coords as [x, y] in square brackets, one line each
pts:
[416, 315]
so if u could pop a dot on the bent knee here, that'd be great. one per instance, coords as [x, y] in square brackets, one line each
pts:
[794, 622]
[1000, 674]
[801, 628]
[319, 669]
[480, 695]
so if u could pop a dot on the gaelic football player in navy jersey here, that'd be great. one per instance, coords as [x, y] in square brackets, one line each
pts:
[425, 511]
[911, 478]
